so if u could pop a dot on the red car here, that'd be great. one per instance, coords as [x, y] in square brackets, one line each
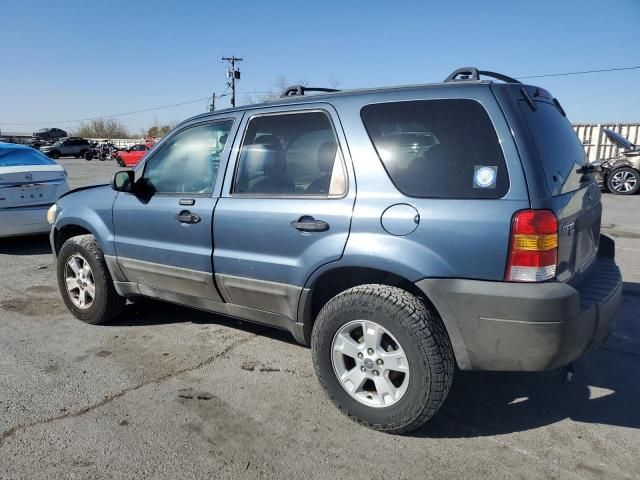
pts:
[131, 156]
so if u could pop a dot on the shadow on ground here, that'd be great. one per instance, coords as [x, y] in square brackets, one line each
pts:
[28, 245]
[147, 311]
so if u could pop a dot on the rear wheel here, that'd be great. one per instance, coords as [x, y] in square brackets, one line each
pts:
[623, 181]
[383, 357]
[85, 283]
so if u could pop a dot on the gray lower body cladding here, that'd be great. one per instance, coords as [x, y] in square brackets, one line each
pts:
[504, 326]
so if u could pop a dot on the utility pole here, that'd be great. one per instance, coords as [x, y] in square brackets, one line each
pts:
[212, 107]
[234, 74]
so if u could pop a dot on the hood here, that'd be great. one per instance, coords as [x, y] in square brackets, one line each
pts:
[86, 187]
[618, 140]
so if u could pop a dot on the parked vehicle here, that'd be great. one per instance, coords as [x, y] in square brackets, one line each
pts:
[29, 184]
[621, 174]
[131, 156]
[67, 147]
[102, 151]
[484, 250]
[50, 134]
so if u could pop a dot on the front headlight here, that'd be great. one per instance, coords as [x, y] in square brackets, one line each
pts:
[51, 214]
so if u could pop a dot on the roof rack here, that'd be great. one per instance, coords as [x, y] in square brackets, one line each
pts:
[299, 90]
[473, 74]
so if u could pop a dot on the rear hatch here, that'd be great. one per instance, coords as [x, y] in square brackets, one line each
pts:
[571, 191]
[30, 185]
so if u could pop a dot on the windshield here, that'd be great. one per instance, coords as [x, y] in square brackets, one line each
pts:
[17, 157]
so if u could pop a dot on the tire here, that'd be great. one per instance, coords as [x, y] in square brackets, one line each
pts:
[88, 156]
[623, 181]
[106, 303]
[55, 155]
[419, 334]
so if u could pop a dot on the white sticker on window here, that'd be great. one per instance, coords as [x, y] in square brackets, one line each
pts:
[485, 176]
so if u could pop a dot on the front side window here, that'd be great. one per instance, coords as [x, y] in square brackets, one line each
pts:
[438, 148]
[188, 162]
[290, 154]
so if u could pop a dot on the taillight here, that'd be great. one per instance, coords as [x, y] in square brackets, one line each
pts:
[533, 247]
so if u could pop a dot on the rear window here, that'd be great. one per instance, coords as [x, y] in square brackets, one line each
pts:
[560, 150]
[16, 157]
[438, 148]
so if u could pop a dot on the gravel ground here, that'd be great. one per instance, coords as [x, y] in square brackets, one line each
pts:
[168, 392]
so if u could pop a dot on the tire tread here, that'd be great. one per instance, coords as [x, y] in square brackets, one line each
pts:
[428, 331]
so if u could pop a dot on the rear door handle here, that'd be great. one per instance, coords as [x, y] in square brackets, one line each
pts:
[307, 223]
[185, 216]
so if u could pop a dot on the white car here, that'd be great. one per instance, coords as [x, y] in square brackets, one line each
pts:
[30, 183]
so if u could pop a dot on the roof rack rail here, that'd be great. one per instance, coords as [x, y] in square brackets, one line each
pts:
[473, 74]
[299, 90]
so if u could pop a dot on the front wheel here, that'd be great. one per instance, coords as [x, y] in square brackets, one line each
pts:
[85, 283]
[623, 181]
[55, 155]
[383, 357]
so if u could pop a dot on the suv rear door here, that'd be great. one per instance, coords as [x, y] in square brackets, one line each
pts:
[555, 163]
[286, 206]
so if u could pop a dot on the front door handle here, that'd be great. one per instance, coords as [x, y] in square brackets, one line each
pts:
[185, 216]
[307, 223]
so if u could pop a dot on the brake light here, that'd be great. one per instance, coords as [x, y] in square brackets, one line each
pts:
[533, 247]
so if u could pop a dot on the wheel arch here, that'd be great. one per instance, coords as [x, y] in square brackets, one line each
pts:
[331, 282]
[66, 232]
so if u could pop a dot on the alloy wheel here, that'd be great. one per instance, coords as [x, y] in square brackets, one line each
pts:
[624, 181]
[79, 280]
[370, 363]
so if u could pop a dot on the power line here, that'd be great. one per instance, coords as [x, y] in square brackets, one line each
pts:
[150, 109]
[580, 73]
[109, 116]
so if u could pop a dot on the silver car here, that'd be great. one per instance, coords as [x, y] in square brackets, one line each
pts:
[30, 183]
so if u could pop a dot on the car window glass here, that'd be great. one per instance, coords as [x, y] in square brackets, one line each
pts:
[438, 148]
[14, 157]
[188, 163]
[290, 154]
[559, 147]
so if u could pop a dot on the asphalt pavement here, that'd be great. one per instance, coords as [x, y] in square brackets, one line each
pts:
[169, 392]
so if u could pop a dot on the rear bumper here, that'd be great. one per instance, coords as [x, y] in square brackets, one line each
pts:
[24, 221]
[527, 327]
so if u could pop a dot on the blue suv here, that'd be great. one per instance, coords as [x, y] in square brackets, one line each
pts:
[400, 232]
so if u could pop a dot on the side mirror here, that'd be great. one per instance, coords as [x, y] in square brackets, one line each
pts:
[123, 181]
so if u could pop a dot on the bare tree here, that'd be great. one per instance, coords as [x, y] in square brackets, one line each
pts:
[102, 128]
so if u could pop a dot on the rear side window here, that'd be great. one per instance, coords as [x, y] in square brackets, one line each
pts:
[438, 148]
[290, 154]
[558, 145]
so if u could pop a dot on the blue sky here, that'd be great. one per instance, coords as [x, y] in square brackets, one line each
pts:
[66, 60]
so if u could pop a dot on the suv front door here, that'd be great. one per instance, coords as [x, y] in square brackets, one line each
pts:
[163, 234]
[286, 206]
